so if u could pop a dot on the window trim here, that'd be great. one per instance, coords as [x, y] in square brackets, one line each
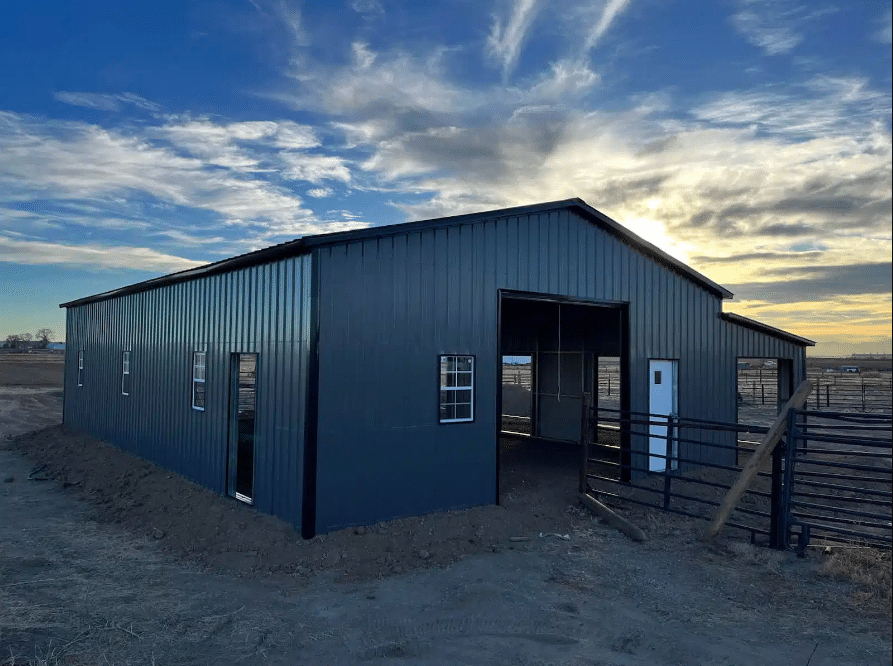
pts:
[199, 380]
[80, 367]
[441, 387]
[125, 371]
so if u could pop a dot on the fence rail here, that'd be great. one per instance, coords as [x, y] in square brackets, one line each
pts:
[828, 480]
[698, 467]
[851, 454]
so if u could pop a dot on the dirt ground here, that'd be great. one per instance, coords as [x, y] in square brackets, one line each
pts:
[37, 369]
[107, 559]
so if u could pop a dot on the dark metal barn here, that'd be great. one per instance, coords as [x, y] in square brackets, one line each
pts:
[347, 378]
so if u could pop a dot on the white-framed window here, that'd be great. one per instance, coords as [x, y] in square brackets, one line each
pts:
[456, 388]
[198, 380]
[125, 373]
[80, 367]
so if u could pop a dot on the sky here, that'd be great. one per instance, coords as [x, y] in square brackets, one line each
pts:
[748, 138]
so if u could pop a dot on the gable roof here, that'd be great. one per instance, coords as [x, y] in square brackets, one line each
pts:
[307, 243]
[759, 326]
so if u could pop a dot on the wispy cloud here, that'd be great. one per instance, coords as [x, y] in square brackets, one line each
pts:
[287, 15]
[231, 181]
[607, 13]
[32, 252]
[367, 7]
[564, 80]
[379, 86]
[775, 26]
[106, 102]
[822, 107]
[885, 34]
[507, 37]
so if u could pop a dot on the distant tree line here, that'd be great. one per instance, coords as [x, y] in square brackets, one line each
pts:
[27, 341]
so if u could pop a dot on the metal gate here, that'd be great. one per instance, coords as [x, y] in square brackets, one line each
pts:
[837, 480]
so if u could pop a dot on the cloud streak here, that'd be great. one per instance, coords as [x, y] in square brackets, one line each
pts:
[106, 102]
[32, 252]
[506, 38]
[609, 12]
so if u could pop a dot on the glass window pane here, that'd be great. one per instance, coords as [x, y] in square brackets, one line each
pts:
[447, 412]
[464, 363]
[462, 396]
[446, 397]
[198, 394]
[451, 363]
[463, 379]
[450, 379]
[463, 411]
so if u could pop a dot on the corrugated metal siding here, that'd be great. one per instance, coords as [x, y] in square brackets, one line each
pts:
[262, 309]
[389, 306]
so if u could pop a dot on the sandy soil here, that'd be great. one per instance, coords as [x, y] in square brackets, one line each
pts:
[113, 560]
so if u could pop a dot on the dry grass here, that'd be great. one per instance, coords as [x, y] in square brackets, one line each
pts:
[758, 556]
[869, 569]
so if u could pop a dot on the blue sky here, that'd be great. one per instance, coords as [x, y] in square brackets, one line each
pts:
[750, 138]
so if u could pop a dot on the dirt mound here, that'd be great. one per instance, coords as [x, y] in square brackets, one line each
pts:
[191, 522]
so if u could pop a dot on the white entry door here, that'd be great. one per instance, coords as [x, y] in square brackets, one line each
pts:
[661, 403]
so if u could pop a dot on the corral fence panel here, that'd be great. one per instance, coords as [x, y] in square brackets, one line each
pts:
[838, 478]
[828, 480]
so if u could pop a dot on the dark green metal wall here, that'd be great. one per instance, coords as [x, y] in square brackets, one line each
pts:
[262, 309]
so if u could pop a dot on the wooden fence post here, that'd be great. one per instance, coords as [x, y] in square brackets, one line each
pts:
[749, 473]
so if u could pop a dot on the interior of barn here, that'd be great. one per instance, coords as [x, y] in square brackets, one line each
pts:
[553, 353]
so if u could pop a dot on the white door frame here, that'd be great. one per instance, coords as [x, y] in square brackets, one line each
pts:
[663, 400]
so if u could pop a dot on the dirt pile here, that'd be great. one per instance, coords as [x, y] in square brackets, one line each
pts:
[191, 522]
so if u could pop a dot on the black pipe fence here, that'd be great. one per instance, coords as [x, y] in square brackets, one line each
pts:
[680, 465]
[837, 487]
[838, 483]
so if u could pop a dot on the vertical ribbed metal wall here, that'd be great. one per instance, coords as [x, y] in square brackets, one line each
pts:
[389, 306]
[262, 309]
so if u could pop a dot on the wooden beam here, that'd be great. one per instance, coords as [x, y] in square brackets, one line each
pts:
[612, 518]
[759, 456]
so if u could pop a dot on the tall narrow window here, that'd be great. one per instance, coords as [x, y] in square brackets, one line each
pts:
[198, 380]
[125, 373]
[81, 367]
[456, 389]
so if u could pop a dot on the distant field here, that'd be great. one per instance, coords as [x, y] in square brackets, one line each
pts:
[32, 369]
[864, 364]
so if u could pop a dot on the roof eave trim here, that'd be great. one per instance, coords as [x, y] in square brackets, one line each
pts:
[760, 327]
[266, 255]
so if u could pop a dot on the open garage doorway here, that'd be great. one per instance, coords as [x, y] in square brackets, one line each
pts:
[552, 350]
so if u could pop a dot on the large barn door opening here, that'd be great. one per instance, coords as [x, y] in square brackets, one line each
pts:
[552, 350]
[243, 400]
